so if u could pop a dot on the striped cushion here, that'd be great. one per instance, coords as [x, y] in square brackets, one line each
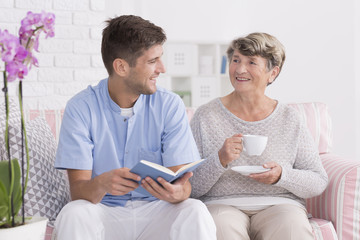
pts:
[52, 117]
[323, 229]
[319, 123]
[340, 202]
[48, 232]
[190, 112]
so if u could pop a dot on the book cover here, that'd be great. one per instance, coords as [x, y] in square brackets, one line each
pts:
[145, 168]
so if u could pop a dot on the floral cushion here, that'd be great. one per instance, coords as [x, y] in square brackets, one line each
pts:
[47, 191]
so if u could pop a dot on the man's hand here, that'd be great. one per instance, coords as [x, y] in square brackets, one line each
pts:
[116, 182]
[231, 149]
[119, 181]
[170, 192]
[269, 177]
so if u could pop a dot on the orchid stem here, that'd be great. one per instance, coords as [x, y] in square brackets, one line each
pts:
[11, 170]
[23, 137]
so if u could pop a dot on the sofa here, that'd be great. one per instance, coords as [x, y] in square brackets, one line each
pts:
[334, 214]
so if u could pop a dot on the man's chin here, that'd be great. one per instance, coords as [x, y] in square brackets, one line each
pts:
[149, 91]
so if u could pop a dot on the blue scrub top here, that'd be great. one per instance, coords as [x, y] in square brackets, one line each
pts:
[95, 136]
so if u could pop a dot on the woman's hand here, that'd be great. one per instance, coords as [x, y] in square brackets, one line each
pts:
[269, 177]
[231, 149]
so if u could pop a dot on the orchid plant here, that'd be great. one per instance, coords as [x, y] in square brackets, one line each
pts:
[17, 56]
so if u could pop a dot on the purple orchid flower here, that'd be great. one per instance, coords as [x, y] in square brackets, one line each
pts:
[16, 70]
[16, 52]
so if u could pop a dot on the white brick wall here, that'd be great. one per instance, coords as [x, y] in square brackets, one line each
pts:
[71, 60]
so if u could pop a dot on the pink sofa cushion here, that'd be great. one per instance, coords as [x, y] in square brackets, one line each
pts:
[323, 229]
[339, 203]
[52, 117]
[318, 121]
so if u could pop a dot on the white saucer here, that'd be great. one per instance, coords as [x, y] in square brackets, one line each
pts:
[247, 170]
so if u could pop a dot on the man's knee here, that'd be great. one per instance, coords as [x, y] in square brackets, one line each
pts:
[78, 219]
[194, 207]
[76, 210]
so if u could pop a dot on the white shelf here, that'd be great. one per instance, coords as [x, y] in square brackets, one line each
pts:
[196, 71]
[181, 59]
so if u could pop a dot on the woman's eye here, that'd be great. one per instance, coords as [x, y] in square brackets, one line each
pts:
[235, 60]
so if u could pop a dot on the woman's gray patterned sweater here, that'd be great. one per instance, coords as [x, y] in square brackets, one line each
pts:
[289, 144]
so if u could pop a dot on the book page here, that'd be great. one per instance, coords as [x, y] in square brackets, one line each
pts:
[158, 167]
[188, 166]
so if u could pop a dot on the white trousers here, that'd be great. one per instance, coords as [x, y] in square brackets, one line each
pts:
[139, 220]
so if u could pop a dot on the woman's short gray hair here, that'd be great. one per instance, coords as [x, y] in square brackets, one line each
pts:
[259, 44]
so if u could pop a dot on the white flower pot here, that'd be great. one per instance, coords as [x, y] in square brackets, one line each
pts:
[33, 229]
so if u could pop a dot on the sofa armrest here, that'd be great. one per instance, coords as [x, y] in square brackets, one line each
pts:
[339, 203]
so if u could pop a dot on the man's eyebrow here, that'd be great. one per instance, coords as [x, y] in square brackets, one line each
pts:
[155, 58]
[152, 59]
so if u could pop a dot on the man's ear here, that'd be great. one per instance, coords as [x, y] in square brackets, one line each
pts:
[121, 67]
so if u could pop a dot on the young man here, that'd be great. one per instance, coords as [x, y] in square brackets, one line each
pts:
[108, 128]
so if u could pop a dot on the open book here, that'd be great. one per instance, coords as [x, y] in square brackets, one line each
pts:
[145, 168]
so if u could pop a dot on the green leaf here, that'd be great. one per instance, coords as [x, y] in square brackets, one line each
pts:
[4, 200]
[6, 183]
[4, 174]
[3, 211]
[4, 203]
[17, 199]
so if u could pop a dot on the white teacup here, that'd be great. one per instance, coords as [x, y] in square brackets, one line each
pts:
[254, 145]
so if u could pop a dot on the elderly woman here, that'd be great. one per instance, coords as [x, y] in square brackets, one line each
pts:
[268, 205]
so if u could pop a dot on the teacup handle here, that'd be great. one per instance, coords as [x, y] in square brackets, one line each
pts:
[242, 141]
